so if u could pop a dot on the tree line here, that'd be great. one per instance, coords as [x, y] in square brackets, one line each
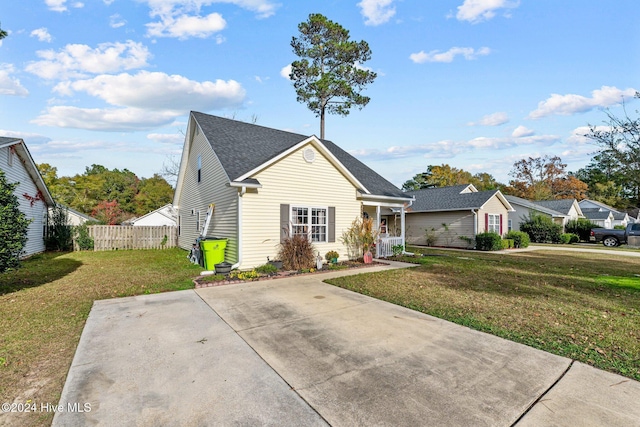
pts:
[109, 195]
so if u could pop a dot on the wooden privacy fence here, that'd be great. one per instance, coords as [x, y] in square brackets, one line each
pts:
[115, 237]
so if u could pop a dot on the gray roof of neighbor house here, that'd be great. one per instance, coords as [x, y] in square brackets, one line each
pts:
[531, 205]
[448, 199]
[242, 147]
[595, 213]
[560, 205]
[616, 215]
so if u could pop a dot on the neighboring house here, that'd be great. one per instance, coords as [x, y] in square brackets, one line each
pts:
[568, 207]
[454, 215]
[619, 217]
[166, 215]
[603, 218]
[77, 218]
[524, 208]
[32, 192]
[266, 184]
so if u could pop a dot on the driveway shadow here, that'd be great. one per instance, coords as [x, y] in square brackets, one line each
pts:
[37, 270]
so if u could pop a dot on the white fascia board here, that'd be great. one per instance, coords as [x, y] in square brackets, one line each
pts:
[373, 199]
[245, 185]
[320, 146]
[23, 152]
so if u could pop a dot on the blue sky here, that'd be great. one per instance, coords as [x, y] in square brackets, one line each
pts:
[476, 84]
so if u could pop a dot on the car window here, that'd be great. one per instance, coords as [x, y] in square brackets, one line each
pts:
[635, 227]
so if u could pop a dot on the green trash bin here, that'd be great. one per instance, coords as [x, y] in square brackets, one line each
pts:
[213, 252]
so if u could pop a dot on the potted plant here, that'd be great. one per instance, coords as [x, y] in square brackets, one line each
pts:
[332, 257]
[277, 264]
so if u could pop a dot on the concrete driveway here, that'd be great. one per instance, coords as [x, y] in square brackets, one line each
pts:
[299, 352]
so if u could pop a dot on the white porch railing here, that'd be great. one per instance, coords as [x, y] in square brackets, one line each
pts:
[385, 245]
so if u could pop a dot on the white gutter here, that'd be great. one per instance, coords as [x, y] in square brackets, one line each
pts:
[475, 222]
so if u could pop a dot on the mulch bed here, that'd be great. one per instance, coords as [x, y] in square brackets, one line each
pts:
[206, 282]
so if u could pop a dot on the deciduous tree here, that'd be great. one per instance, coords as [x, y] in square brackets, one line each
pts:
[329, 76]
[544, 178]
[445, 175]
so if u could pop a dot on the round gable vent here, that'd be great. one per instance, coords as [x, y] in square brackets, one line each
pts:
[309, 155]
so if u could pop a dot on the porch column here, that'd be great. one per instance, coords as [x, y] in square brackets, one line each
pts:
[402, 227]
[378, 226]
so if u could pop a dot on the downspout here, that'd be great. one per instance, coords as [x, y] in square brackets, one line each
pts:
[475, 222]
[404, 235]
[239, 244]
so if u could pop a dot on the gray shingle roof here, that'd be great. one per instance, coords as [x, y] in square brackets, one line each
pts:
[595, 214]
[531, 205]
[560, 205]
[242, 147]
[448, 199]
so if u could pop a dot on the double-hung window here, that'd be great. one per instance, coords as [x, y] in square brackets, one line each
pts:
[493, 223]
[309, 221]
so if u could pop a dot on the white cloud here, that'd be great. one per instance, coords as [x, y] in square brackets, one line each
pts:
[495, 119]
[285, 71]
[450, 148]
[42, 34]
[181, 18]
[522, 131]
[60, 5]
[10, 85]
[377, 12]
[436, 56]
[578, 137]
[182, 27]
[77, 60]
[476, 11]
[166, 138]
[566, 105]
[112, 119]
[116, 21]
[159, 91]
[28, 137]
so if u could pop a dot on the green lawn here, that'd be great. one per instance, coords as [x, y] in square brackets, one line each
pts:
[45, 304]
[578, 305]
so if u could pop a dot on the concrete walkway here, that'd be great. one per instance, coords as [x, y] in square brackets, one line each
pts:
[297, 351]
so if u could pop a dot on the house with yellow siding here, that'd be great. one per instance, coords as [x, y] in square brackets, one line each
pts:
[254, 186]
[453, 216]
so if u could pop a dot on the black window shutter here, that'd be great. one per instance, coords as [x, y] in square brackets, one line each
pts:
[284, 222]
[332, 224]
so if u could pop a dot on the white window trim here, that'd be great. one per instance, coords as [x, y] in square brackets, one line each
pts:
[326, 225]
[509, 225]
[497, 223]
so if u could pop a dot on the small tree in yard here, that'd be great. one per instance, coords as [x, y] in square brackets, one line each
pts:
[59, 232]
[541, 229]
[13, 226]
[360, 237]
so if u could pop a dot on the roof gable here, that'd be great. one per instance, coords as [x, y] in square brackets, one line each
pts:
[23, 152]
[531, 205]
[561, 205]
[245, 148]
[453, 198]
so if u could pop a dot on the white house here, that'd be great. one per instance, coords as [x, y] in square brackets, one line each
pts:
[166, 215]
[261, 185]
[77, 218]
[32, 193]
[593, 209]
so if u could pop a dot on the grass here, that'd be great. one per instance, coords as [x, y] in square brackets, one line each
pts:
[45, 304]
[579, 305]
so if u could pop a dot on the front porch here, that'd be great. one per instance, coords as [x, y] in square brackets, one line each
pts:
[390, 219]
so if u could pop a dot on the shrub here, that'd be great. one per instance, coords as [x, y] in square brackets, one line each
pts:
[488, 241]
[469, 240]
[520, 239]
[581, 226]
[267, 269]
[59, 232]
[331, 255]
[397, 249]
[13, 226]
[244, 275]
[82, 238]
[507, 244]
[297, 252]
[431, 236]
[360, 237]
[568, 238]
[541, 229]
[619, 227]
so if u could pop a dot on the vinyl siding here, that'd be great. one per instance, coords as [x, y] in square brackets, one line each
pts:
[212, 188]
[460, 223]
[295, 182]
[521, 215]
[493, 206]
[18, 173]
